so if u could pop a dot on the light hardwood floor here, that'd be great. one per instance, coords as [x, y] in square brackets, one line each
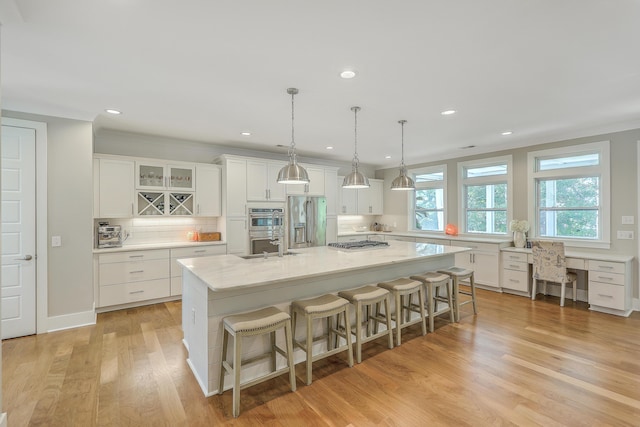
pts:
[517, 362]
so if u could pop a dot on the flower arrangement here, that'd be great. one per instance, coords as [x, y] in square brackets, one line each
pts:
[521, 225]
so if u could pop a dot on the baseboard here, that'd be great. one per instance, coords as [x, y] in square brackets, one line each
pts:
[73, 320]
[3, 419]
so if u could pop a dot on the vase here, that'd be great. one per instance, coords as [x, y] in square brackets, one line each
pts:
[519, 239]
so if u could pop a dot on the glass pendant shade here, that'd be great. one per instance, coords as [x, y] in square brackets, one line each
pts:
[403, 182]
[292, 173]
[355, 179]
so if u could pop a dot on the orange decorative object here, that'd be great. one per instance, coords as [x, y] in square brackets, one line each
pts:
[451, 230]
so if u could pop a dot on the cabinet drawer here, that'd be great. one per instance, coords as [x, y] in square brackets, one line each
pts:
[132, 292]
[605, 277]
[514, 256]
[516, 280]
[605, 295]
[133, 256]
[515, 265]
[198, 251]
[606, 266]
[135, 271]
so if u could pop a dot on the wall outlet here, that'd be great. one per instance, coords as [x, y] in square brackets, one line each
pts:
[628, 235]
[628, 220]
[56, 241]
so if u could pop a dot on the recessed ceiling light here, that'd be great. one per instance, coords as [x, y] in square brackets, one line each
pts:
[329, 147]
[387, 157]
[448, 112]
[348, 74]
[112, 111]
[245, 133]
[506, 133]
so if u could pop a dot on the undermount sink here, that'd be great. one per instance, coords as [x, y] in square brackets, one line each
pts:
[269, 255]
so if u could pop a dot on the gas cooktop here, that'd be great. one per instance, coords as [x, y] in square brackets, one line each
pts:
[362, 244]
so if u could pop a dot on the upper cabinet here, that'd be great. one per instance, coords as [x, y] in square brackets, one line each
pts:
[331, 191]
[261, 181]
[315, 187]
[125, 187]
[234, 187]
[113, 187]
[163, 176]
[363, 201]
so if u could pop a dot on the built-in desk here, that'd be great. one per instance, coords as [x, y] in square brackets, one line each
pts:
[609, 277]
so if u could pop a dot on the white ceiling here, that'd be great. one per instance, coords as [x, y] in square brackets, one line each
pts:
[208, 70]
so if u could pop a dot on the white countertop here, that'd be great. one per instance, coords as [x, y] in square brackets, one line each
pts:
[569, 253]
[230, 272]
[463, 238]
[148, 246]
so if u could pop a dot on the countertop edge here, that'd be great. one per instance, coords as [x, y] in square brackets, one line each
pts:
[151, 246]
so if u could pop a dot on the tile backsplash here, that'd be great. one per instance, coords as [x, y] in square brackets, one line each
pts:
[160, 230]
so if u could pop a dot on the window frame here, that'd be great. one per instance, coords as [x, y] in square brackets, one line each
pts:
[463, 182]
[429, 185]
[602, 171]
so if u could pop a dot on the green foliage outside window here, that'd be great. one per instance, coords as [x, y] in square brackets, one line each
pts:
[569, 207]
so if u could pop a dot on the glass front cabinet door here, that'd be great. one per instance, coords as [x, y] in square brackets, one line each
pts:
[180, 178]
[159, 176]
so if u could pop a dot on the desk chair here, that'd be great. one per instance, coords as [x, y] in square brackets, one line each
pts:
[549, 264]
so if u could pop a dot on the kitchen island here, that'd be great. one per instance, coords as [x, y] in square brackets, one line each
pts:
[216, 286]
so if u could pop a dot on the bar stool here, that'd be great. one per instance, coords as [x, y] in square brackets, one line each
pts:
[369, 298]
[267, 320]
[406, 287]
[458, 274]
[433, 282]
[321, 307]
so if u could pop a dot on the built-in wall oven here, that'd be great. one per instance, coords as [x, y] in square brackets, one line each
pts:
[265, 224]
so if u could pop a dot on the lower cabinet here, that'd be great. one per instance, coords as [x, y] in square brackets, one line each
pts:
[138, 277]
[515, 273]
[608, 287]
[176, 269]
[483, 259]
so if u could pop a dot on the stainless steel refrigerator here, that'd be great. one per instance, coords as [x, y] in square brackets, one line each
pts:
[306, 221]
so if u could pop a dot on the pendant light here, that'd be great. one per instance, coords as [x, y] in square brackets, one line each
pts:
[355, 179]
[292, 173]
[403, 182]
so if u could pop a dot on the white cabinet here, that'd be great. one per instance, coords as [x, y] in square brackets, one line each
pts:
[208, 190]
[234, 187]
[364, 201]
[610, 286]
[237, 236]
[332, 229]
[113, 188]
[151, 175]
[515, 273]
[189, 252]
[331, 191]
[483, 259]
[315, 187]
[164, 203]
[132, 277]
[261, 181]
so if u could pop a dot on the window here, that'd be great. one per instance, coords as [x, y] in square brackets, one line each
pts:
[485, 187]
[428, 207]
[568, 186]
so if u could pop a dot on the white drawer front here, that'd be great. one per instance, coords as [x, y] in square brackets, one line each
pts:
[609, 267]
[605, 277]
[516, 266]
[176, 286]
[514, 256]
[605, 295]
[128, 272]
[133, 292]
[516, 280]
[133, 256]
[576, 263]
[198, 251]
[485, 247]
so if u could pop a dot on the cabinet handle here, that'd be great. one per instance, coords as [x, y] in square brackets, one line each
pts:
[136, 271]
[514, 257]
[136, 292]
[513, 266]
[370, 209]
[605, 278]
[198, 208]
[514, 280]
[605, 296]
[606, 267]
[136, 256]
[201, 251]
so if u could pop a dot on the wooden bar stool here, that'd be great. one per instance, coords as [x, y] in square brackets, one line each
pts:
[458, 274]
[433, 282]
[267, 320]
[400, 288]
[325, 306]
[369, 298]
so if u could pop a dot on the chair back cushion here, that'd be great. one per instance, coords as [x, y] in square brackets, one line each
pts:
[549, 262]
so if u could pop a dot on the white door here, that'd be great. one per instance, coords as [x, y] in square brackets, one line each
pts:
[18, 232]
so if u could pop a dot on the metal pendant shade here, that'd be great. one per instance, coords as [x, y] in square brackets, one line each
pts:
[355, 179]
[403, 182]
[292, 173]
